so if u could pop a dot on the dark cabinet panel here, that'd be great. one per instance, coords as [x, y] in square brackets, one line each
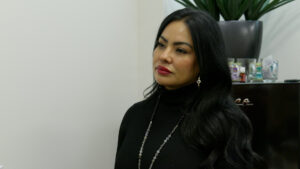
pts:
[273, 109]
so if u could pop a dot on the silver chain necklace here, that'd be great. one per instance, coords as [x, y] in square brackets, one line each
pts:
[146, 136]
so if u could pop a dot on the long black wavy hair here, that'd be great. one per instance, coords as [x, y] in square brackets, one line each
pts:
[213, 123]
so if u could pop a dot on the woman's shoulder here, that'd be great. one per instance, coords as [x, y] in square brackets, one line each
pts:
[140, 105]
[139, 109]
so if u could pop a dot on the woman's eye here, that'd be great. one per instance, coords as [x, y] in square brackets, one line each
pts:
[182, 51]
[160, 44]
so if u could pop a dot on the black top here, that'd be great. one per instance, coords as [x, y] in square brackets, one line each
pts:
[176, 154]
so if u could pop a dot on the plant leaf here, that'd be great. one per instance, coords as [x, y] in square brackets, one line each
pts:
[209, 6]
[221, 5]
[241, 8]
[262, 7]
[200, 5]
[186, 3]
[273, 6]
[213, 8]
[234, 9]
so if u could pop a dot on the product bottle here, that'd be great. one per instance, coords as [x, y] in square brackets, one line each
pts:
[243, 75]
[258, 72]
[235, 74]
[251, 70]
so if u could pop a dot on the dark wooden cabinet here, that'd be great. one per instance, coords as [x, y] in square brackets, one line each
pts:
[273, 109]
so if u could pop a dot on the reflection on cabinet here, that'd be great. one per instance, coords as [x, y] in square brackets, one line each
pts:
[273, 109]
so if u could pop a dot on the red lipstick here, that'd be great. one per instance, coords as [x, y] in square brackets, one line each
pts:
[163, 70]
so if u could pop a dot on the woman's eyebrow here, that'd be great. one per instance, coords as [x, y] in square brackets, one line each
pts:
[177, 43]
[163, 38]
[183, 43]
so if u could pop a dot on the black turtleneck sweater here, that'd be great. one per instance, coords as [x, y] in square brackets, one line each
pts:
[176, 154]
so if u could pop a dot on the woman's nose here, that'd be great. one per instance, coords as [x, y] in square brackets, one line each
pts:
[166, 55]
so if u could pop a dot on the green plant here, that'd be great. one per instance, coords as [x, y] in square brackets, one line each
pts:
[234, 9]
[207, 5]
[260, 7]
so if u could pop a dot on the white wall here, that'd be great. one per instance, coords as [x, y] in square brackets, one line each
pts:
[281, 36]
[68, 72]
[150, 17]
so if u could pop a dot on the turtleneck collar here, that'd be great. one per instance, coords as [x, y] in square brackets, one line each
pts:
[177, 97]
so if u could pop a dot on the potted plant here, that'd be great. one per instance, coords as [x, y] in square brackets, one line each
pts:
[242, 38]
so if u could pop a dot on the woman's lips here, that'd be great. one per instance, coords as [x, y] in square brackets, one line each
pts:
[163, 70]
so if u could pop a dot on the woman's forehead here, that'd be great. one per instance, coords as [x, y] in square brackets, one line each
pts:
[177, 31]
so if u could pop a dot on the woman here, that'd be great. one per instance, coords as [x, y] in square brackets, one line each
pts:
[188, 119]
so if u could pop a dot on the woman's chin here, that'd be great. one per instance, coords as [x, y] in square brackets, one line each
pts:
[163, 81]
[166, 85]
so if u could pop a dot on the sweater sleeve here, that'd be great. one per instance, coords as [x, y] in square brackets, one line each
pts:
[123, 127]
